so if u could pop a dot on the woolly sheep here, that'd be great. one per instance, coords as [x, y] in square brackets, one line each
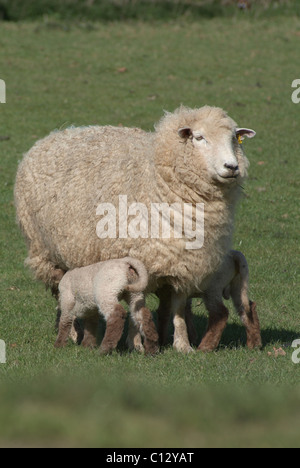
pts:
[193, 157]
[85, 292]
[231, 281]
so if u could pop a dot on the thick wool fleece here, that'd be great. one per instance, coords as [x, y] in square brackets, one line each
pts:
[64, 177]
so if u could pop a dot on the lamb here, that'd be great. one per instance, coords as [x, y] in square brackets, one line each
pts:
[85, 292]
[231, 281]
[71, 182]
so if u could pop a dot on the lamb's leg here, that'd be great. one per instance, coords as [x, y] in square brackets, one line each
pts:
[218, 317]
[134, 338]
[90, 330]
[246, 309]
[250, 320]
[64, 329]
[181, 339]
[115, 322]
[149, 331]
[77, 332]
[142, 317]
[66, 305]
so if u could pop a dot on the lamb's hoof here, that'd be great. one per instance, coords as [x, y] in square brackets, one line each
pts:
[151, 349]
[255, 344]
[139, 348]
[135, 344]
[91, 344]
[60, 344]
[105, 351]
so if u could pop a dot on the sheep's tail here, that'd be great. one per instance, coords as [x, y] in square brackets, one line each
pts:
[242, 270]
[137, 276]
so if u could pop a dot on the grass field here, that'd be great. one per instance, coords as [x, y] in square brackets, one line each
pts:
[127, 73]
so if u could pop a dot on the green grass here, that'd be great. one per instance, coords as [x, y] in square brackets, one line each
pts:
[57, 75]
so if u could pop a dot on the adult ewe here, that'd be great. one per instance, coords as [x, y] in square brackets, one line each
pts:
[67, 181]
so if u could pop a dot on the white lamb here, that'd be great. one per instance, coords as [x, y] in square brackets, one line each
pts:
[86, 292]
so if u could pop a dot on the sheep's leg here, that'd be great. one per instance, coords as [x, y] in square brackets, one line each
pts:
[115, 322]
[149, 331]
[192, 332]
[218, 317]
[134, 338]
[164, 313]
[250, 320]
[246, 309]
[77, 332]
[66, 306]
[64, 329]
[142, 317]
[181, 339]
[90, 331]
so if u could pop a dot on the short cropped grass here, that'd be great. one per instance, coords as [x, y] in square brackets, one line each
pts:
[58, 74]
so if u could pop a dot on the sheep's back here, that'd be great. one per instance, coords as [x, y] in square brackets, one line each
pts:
[65, 176]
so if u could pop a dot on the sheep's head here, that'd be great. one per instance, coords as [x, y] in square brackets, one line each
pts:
[216, 145]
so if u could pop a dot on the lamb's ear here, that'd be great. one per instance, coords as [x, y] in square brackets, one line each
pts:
[242, 132]
[185, 132]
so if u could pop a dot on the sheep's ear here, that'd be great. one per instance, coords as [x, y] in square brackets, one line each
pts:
[185, 132]
[245, 132]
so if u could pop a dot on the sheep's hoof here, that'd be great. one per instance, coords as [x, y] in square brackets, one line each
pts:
[60, 344]
[184, 348]
[135, 344]
[206, 348]
[105, 350]
[89, 343]
[255, 344]
[139, 348]
[151, 348]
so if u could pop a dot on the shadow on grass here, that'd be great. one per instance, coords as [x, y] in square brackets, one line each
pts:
[235, 335]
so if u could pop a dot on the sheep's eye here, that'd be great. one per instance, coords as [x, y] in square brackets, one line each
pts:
[199, 138]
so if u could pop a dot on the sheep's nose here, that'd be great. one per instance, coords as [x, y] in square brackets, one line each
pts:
[231, 167]
[232, 170]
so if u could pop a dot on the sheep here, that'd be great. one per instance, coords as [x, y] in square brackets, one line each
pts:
[231, 281]
[193, 158]
[85, 292]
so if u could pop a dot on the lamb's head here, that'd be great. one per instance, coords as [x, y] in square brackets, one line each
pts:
[208, 146]
[216, 141]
